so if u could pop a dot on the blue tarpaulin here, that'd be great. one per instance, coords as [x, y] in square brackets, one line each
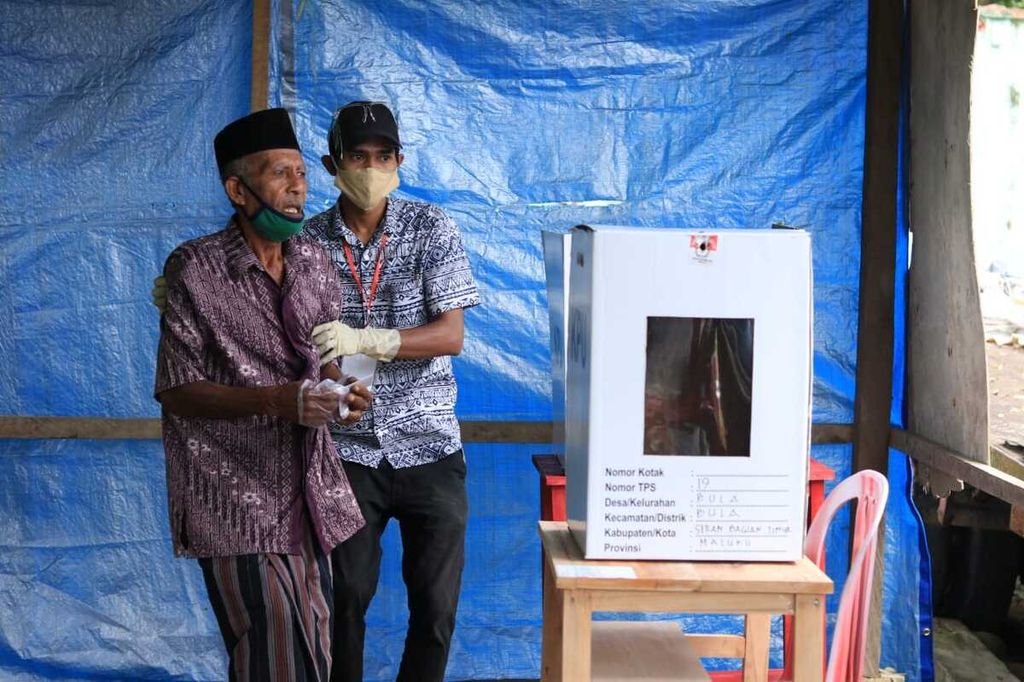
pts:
[516, 117]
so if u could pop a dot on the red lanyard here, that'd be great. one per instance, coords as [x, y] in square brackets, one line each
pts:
[368, 298]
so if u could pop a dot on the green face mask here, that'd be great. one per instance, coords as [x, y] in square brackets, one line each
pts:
[271, 224]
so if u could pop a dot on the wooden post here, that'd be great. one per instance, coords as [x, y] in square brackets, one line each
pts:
[260, 54]
[873, 399]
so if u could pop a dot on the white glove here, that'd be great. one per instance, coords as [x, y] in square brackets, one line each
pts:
[334, 339]
[159, 294]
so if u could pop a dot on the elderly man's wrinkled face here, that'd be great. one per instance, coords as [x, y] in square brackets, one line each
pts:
[278, 176]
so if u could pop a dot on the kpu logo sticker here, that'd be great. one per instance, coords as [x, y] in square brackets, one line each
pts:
[703, 246]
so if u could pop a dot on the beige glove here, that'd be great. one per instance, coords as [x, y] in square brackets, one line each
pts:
[159, 294]
[334, 340]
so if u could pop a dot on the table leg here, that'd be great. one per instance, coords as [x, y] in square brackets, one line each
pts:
[757, 639]
[808, 664]
[816, 495]
[576, 626]
[551, 638]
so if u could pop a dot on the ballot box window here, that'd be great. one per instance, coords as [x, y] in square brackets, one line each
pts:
[698, 385]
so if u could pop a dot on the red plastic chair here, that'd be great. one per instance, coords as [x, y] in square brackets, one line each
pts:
[870, 490]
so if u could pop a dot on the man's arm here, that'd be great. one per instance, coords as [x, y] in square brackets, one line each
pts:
[216, 401]
[441, 336]
[331, 371]
[448, 288]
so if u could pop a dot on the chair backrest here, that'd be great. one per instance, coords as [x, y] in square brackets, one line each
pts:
[870, 490]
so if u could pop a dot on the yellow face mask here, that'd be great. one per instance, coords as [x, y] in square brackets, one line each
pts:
[366, 187]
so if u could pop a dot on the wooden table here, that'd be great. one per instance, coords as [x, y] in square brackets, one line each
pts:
[574, 588]
[552, 508]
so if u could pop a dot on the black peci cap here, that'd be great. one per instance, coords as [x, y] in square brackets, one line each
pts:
[357, 122]
[261, 130]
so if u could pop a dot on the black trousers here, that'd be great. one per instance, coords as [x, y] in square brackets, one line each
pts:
[430, 504]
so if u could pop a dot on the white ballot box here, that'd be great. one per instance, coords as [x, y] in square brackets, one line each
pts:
[688, 393]
[557, 250]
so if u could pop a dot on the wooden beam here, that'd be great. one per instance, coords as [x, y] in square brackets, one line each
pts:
[1006, 460]
[987, 478]
[831, 434]
[506, 432]
[258, 93]
[82, 428]
[873, 398]
[104, 428]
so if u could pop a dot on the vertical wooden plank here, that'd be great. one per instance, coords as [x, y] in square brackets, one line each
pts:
[947, 397]
[948, 391]
[258, 93]
[576, 625]
[809, 613]
[757, 636]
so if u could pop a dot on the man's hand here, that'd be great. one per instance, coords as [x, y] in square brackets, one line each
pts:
[296, 401]
[159, 294]
[334, 340]
[358, 399]
[315, 409]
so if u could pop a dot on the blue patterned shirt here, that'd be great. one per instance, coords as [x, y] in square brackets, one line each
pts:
[425, 272]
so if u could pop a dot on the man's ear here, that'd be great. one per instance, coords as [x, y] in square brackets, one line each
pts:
[328, 163]
[401, 158]
[233, 188]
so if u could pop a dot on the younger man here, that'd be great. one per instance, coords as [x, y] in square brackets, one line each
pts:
[406, 281]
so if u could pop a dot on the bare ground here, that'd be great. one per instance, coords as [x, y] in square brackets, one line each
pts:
[1006, 393]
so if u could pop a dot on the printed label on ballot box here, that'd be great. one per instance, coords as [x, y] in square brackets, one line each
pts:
[688, 393]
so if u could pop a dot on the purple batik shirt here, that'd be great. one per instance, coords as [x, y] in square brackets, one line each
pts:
[250, 484]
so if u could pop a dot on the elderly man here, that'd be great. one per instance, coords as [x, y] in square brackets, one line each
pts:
[256, 490]
[406, 281]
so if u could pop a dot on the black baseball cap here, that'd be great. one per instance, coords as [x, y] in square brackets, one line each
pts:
[359, 121]
[260, 130]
